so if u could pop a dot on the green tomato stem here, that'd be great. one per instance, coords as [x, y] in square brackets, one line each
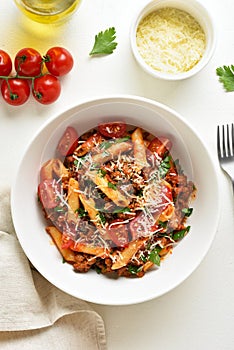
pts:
[20, 77]
[13, 96]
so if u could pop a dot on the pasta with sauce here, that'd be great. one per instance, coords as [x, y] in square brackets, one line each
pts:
[116, 201]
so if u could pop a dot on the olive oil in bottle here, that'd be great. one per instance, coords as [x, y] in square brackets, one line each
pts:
[48, 11]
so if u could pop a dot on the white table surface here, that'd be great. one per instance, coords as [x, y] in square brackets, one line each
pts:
[199, 314]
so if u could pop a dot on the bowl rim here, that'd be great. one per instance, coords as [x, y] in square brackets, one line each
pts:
[146, 103]
[189, 6]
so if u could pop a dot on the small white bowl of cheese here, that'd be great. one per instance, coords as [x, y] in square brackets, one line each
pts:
[173, 39]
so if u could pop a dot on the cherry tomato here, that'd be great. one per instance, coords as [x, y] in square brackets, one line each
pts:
[118, 232]
[48, 191]
[46, 89]
[67, 242]
[112, 130]
[68, 142]
[5, 63]
[161, 146]
[28, 62]
[58, 61]
[137, 227]
[15, 91]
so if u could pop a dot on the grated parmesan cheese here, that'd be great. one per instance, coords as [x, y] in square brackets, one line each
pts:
[170, 40]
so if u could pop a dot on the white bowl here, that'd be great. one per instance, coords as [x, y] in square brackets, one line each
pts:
[196, 10]
[186, 256]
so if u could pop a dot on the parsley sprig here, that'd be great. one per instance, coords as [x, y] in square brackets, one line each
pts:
[226, 77]
[164, 166]
[104, 42]
[154, 256]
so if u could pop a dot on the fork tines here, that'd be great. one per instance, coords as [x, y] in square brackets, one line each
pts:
[225, 141]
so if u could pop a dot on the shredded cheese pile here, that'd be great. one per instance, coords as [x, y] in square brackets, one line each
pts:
[170, 40]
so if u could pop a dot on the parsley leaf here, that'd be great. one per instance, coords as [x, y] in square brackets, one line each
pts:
[102, 172]
[121, 210]
[178, 235]
[187, 211]
[104, 42]
[81, 212]
[111, 185]
[122, 139]
[164, 166]
[154, 256]
[106, 144]
[163, 224]
[134, 269]
[102, 218]
[226, 77]
[98, 269]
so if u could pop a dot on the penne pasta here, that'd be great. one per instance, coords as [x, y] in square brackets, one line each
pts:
[139, 149]
[92, 250]
[167, 213]
[110, 191]
[73, 199]
[59, 169]
[53, 167]
[123, 258]
[46, 171]
[89, 206]
[112, 152]
[56, 235]
[148, 265]
[94, 215]
[119, 202]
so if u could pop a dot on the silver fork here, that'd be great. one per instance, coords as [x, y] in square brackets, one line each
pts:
[225, 149]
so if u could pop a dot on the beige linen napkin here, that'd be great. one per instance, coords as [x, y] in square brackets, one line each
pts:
[33, 313]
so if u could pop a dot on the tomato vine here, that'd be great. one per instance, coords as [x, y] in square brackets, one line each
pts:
[34, 74]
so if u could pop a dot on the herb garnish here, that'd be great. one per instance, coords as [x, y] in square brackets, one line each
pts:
[154, 256]
[111, 185]
[97, 269]
[162, 224]
[121, 210]
[102, 218]
[81, 212]
[102, 172]
[187, 211]
[134, 269]
[105, 144]
[104, 42]
[122, 139]
[164, 166]
[226, 77]
[177, 235]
